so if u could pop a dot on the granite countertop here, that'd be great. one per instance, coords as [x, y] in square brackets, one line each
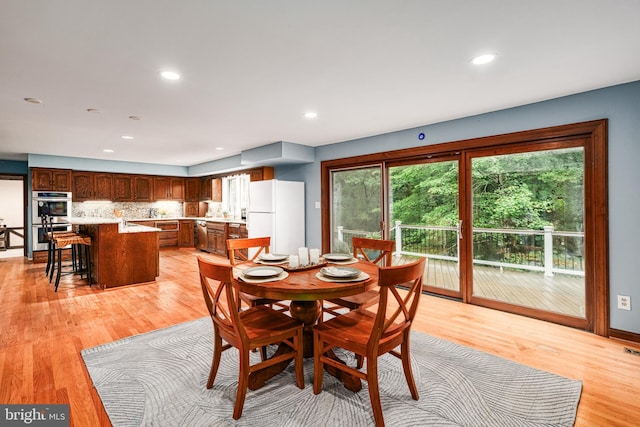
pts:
[129, 228]
[190, 218]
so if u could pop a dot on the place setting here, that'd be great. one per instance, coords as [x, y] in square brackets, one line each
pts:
[341, 274]
[273, 259]
[262, 274]
[340, 258]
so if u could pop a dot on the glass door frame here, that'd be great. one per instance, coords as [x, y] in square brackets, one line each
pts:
[462, 254]
[467, 241]
[596, 201]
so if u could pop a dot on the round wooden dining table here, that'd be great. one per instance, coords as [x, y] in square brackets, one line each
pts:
[306, 292]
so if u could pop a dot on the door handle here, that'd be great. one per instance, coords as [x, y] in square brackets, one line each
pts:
[459, 230]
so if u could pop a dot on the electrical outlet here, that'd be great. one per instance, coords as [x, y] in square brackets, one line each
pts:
[624, 302]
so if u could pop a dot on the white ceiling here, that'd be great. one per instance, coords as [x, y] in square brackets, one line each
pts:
[251, 69]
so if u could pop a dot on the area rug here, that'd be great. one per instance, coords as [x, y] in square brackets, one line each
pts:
[158, 379]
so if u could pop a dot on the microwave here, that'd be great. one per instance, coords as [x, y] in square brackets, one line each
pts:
[57, 204]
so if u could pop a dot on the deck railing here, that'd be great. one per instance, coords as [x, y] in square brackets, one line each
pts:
[547, 251]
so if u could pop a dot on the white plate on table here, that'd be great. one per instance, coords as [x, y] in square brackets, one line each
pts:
[337, 257]
[340, 272]
[273, 257]
[263, 272]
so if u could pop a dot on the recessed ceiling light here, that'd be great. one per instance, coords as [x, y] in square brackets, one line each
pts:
[93, 110]
[219, 148]
[483, 59]
[126, 137]
[33, 100]
[170, 75]
[311, 114]
[108, 150]
[135, 117]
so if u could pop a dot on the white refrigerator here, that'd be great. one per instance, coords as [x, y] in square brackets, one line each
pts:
[276, 209]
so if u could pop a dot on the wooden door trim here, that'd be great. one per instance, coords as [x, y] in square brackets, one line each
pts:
[596, 203]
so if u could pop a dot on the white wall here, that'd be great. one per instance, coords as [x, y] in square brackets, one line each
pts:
[11, 209]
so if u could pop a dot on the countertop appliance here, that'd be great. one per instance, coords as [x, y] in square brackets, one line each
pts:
[201, 235]
[276, 209]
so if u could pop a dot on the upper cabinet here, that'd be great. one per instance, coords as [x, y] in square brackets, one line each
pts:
[50, 179]
[192, 189]
[132, 188]
[261, 174]
[168, 188]
[92, 186]
[142, 188]
[123, 188]
[211, 189]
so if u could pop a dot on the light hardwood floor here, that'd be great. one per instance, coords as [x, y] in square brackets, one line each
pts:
[42, 333]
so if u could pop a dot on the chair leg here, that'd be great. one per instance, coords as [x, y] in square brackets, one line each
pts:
[59, 256]
[243, 383]
[406, 366]
[49, 256]
[317, 363]
[87, 258]
[215, 363]
[374, 390]
[297, 343]
[53, 262]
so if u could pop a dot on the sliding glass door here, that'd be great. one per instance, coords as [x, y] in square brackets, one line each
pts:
[356, 206]
[425, 220]
[514, 222]
[528, 229]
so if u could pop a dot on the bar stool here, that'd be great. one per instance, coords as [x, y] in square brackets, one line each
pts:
[80, 252]
[81, 264]
[50, 234]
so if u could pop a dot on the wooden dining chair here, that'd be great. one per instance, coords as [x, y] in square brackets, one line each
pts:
[371, 250]
[239, 253]
[372, 334]
[245, 330]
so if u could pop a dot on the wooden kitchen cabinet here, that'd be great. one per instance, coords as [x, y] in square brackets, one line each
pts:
[122, 188]
[186, 237]
[211, 189]
[142, 188]
[192, 189]
[192, 209]
[132, 188]
[217, 238]
[169, 233]
[168, 188]
[92, 186]
[261, 174]
[50, 179]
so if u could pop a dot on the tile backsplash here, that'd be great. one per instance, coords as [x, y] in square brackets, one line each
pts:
[131, 210]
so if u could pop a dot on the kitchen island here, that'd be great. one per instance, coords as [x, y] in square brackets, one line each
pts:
[121, 255]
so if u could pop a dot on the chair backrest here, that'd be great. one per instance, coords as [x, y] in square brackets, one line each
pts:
[221, 296]
[47, 226]
[396, 311]
[237, 253]
[363, 247]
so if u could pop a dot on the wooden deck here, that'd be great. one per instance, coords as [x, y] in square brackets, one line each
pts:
[560, 294]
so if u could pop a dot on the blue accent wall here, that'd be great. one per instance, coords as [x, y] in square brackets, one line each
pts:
[620, 104]
[14, 167]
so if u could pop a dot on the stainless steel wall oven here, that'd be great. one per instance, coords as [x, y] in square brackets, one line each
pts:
[58, 205]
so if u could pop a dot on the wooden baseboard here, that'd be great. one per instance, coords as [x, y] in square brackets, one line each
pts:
[624, 335]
